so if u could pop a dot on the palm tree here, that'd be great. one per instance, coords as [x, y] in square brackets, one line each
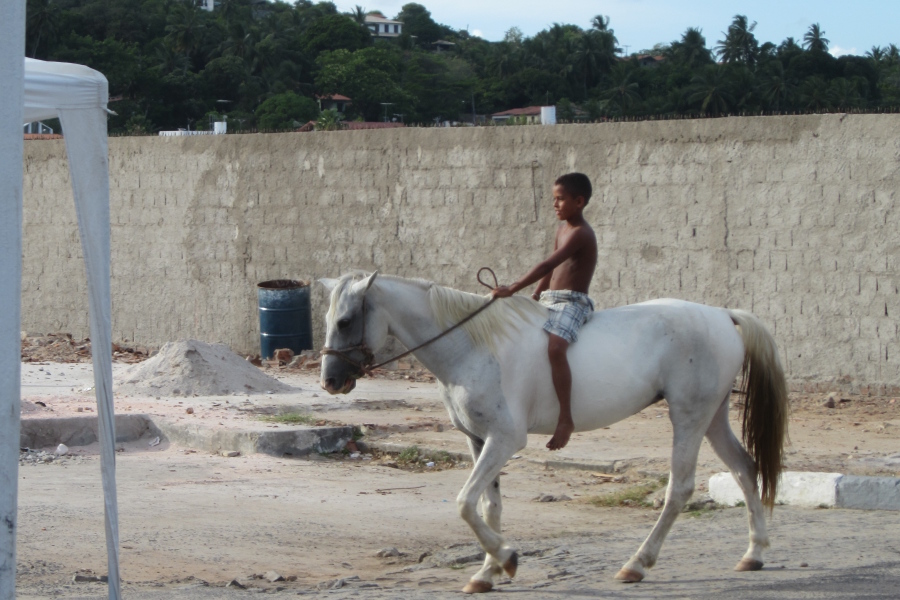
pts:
[740, 44]
[844, 93]
[877, 54]
[594, 53]
[691, 50]
[42, 22]
[711, 89]
[601, 23]
[777, 89]
[814, 93]
[359, 14]
[623, 92]
[185, 28]
[814, 40]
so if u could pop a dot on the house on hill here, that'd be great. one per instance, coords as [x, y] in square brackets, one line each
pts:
[529, 114]
[381, 26]
[338, 102]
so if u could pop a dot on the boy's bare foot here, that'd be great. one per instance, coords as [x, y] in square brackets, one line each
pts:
[561, 436]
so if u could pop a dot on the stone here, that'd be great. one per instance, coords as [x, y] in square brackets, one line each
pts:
[831, 401]
[283, 355]
[230, 453]
[387, 552]
[273, 576]
[552, 498]
[234, 583]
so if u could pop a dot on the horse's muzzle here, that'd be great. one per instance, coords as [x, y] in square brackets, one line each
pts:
[330, 385]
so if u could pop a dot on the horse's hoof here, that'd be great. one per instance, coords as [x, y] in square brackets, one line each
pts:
[511, 564]
[477, 586]
[628, 576]
[749, 564]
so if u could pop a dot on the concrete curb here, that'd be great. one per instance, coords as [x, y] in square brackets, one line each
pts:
[292, 441]
[81, 431]
[818, 490]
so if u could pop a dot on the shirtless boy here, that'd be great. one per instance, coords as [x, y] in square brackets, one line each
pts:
[564, 279]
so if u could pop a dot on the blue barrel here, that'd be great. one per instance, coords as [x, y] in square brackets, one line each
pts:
[285, 317]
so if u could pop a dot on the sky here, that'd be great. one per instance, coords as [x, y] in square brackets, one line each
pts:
[851, 27]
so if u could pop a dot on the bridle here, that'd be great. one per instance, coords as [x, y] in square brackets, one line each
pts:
[365, 367]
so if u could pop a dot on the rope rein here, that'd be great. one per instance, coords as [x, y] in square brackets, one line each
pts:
[364, 366]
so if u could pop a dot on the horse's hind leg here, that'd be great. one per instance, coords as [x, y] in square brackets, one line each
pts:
[496, 451]
[491, 507]
[686, 447]
[742, 468]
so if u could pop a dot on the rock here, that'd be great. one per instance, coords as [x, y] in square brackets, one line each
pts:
[283, 355]
[230, 453]
[234, 583]
[190, 410]
[272, 577]
[804, 565]
[551, 498]
[388, 552]
[830, 401]
[62, 450]
[423, 556]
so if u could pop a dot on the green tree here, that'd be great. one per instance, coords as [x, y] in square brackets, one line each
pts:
[691, 50]
[814, 40]
[739, 45]
[335, 32]
[711, 91]
[594, 54]
[368, 76]
[286, 111]
[329, 120]
[417, 22]
[623, 93]
[814, 93]
[42, 24]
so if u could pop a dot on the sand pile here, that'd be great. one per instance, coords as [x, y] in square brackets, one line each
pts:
[190, 367]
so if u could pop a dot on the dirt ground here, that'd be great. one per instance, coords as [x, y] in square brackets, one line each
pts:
[195, 521]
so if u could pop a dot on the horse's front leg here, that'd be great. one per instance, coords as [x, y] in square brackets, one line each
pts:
[491, 507]
[496, 451]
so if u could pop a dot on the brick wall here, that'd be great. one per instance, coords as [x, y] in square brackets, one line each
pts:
[792, 218]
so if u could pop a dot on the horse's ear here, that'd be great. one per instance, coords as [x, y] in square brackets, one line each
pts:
[361, 287]
[328, 283]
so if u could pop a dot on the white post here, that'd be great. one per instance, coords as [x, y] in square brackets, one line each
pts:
[12, 74]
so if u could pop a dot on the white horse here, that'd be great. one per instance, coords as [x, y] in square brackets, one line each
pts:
[495, 381]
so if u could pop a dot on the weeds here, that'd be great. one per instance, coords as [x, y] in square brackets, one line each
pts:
[635, 495]
[289, 418]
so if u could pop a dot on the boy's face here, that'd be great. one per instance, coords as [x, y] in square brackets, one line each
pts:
[565, 205]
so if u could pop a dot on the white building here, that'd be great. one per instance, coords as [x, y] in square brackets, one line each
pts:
[380, 26]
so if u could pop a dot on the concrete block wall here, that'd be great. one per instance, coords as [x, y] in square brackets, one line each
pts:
[793, 218]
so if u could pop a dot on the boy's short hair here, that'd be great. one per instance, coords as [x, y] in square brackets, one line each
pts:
[577, 184]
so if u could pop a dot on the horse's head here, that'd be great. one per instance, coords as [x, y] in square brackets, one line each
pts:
[354, 332]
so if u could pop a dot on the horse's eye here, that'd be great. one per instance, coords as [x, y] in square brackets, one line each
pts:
[343, 323]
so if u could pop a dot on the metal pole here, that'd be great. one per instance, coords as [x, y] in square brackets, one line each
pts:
[12, 76]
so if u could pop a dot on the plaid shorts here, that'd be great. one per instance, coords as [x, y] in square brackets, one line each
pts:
[568, 312]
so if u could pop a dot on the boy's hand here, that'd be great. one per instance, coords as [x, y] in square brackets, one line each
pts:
[501, 291]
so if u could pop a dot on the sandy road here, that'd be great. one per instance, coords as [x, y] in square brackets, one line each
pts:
[192, 521]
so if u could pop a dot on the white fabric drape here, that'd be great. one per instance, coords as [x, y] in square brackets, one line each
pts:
[85, 135]
[78, 96]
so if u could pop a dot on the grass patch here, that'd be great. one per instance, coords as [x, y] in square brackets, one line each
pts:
[290, 418]
[635, 495]
[413, 456]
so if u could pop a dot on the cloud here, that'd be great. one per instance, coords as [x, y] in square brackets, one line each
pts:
[837, 51]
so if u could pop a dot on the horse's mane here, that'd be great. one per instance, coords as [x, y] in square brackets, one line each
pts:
[450, 306]
[500, 320]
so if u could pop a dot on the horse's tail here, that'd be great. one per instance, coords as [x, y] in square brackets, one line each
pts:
[766, 407]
